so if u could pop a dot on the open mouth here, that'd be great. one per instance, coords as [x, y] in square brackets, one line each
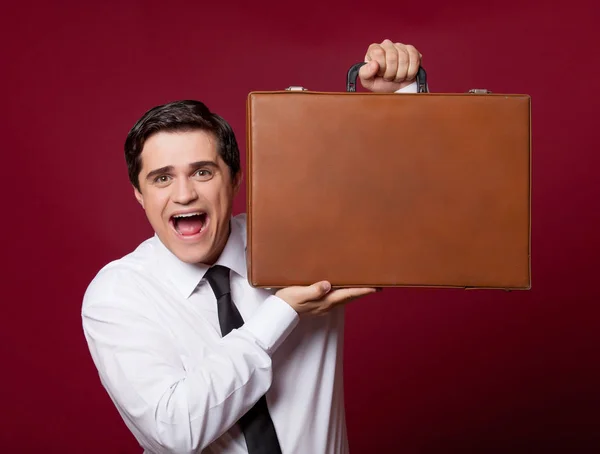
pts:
[189, 224]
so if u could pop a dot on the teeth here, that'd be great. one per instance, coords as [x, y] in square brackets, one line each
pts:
[187, 215]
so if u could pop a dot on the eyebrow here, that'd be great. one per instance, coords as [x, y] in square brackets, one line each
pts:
[195, 165]
[169, 169]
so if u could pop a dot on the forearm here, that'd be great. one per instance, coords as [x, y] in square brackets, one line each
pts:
[202, 403]
[174, 408]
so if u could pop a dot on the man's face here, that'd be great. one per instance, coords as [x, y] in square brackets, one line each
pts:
[187, 192]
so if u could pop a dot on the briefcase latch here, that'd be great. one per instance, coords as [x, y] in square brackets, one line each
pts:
[480, 91]
[296, 88]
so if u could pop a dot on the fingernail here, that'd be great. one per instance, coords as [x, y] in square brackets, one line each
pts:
[326, 286]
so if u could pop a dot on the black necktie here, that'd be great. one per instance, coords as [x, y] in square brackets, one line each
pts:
[256, 424]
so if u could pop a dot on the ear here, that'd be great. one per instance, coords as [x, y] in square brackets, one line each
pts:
[237, 182]
[138, 196]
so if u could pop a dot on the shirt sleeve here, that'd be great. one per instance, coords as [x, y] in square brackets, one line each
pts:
[412, 88]
[168, 407]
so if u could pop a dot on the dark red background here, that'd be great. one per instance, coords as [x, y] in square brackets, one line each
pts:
[427, 371]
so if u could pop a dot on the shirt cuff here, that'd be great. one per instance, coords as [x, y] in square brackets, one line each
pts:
[412, 88]
[272, 322]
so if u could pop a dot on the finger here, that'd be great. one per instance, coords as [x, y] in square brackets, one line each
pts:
[346, 294]
[317, 290]
[356, 292]
[368, 71]
[414, 62]
[376, 53]
[391, 60]
[301, 294]
[403, 62]
[337, 298]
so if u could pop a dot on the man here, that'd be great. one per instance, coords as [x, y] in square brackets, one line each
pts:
[160, 322]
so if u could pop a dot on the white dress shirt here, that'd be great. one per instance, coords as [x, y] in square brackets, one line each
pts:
[152, 328]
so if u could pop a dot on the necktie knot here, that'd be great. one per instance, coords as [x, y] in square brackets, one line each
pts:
[218, 278]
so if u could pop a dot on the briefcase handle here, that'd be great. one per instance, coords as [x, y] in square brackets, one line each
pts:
[353, 75]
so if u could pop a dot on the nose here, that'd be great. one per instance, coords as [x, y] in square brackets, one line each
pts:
[184, 191]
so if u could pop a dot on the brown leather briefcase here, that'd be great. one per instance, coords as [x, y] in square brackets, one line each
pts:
[370, 189]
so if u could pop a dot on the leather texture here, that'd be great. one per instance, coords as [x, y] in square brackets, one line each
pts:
[389, 190]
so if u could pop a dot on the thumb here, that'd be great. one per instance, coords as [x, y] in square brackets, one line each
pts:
[368, 71]
[315, 291]
[300, 295]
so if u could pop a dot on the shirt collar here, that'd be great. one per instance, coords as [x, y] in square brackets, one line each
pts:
[187, 276]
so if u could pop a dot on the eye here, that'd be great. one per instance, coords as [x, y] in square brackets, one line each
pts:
[161, 179]
[203, 174]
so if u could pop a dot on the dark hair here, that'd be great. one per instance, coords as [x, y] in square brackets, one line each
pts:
[186, 115]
